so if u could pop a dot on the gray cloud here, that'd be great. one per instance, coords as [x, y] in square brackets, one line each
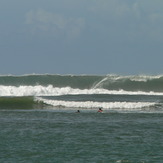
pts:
[54, 24]
[132, 20]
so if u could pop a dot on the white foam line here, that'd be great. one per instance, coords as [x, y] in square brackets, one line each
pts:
[55, 91]
[91, 104]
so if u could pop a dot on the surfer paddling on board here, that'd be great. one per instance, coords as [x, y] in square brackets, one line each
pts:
[100, 110]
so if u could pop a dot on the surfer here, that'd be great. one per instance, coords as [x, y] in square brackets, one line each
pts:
[78, 111]
[100, 110]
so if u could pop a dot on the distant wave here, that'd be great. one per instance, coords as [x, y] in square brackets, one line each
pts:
[137, 83]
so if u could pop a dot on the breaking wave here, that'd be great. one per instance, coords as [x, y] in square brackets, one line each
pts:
[141, 83]
[112, 92]
[95, 105]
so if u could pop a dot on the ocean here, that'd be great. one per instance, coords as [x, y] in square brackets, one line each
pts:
[39, 120]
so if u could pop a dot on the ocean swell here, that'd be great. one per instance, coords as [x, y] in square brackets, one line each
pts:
[135, 83]
[20, 103]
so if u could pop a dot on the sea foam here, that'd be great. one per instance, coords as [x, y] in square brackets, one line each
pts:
[49, 90]
[95, 105]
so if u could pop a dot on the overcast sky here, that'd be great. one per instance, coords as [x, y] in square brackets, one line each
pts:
[81, 37]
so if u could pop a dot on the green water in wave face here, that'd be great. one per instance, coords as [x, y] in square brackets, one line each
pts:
[50, 136]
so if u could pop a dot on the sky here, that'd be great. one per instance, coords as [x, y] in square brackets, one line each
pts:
[81, 37]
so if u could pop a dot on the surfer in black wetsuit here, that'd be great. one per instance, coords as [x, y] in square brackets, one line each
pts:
[78, 111]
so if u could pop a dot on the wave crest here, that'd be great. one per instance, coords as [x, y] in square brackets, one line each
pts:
[49, 90]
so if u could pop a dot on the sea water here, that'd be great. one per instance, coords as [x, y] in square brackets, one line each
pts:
[52, 136]
[39, 123]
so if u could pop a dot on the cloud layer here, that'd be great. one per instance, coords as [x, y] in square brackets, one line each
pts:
[119, 35]
[115, 18]
[54, 24]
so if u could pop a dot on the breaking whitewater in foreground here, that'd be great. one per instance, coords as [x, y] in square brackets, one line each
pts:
[112, 92]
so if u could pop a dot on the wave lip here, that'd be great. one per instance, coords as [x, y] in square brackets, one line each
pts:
[132, 83]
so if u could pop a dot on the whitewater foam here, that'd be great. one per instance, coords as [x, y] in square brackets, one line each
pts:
[95, 105]
[139, 78]
[49, 90]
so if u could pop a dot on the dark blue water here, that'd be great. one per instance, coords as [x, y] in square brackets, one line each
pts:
[64, 136]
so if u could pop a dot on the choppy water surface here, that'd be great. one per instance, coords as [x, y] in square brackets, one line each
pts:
[65, 136]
